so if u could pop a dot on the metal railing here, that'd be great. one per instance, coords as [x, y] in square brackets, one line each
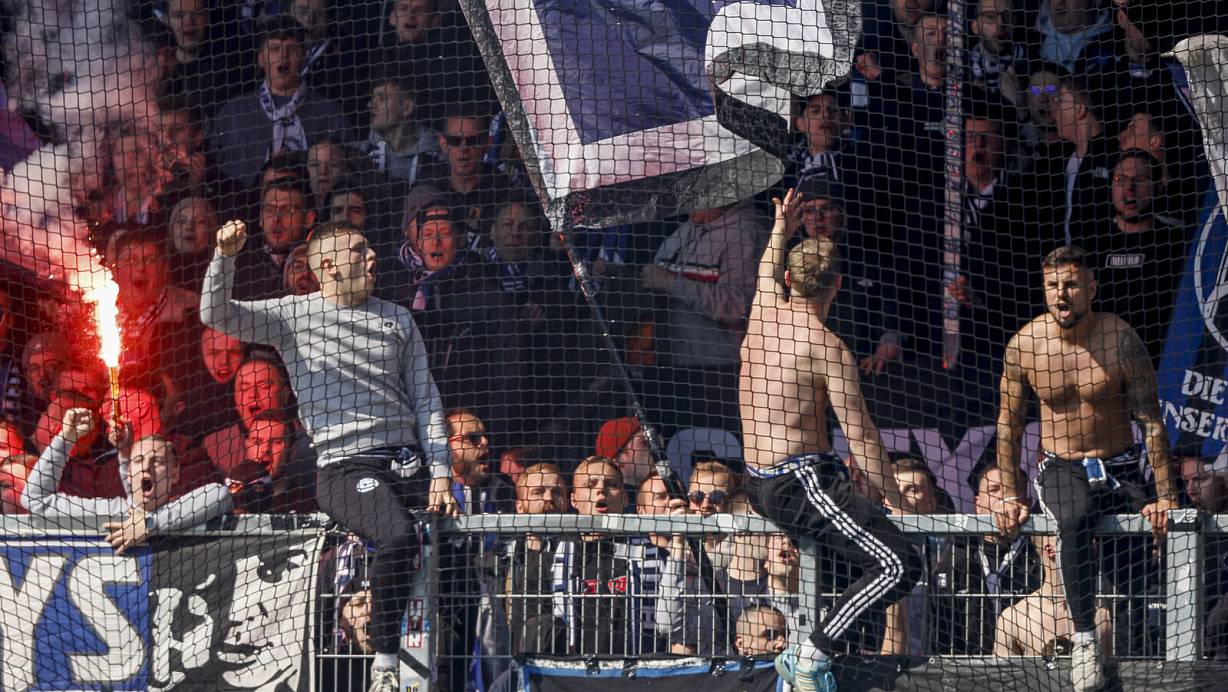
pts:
[1179, 604]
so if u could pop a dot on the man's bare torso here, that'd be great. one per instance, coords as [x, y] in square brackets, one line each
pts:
[1084, 407]
[783, 389]
[1031, 626]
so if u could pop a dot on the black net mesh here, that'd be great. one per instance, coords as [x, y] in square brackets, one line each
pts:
[520, 344]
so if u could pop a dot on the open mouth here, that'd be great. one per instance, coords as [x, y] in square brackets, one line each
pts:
[601, 506]
[147, 484]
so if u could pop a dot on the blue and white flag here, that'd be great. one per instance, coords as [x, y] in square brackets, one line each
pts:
[1193, 376]
[627, 110]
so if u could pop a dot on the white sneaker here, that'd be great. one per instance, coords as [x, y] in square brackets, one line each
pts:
[384, 681]
[1085, 666]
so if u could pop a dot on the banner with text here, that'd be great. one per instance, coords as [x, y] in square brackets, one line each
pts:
[1193, 382]
[201, 614]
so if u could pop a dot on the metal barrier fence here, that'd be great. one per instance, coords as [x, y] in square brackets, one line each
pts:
[1163, 622]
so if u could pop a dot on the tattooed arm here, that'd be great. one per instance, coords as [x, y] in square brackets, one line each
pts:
[1010, 513]
[1145, 405]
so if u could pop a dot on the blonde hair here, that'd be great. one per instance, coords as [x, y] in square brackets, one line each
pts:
[596, 460]
[814, 267]
[522, 481]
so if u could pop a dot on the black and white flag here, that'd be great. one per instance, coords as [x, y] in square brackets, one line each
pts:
[234, 613]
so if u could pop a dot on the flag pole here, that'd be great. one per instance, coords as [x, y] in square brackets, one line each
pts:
[561, 224]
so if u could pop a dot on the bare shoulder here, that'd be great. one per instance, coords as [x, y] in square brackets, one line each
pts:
[1119, 336]
[1112, 327]
[1029, 341]
[826, 346]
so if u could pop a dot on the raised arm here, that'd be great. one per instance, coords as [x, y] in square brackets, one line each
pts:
[844, 391]
[770, 284]
[1012, 510]
[1145, 405]
[251, 322]
[40, 496]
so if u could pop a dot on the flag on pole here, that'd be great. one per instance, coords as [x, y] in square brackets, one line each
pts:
[628, 110]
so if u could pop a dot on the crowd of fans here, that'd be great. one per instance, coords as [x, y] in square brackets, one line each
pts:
[291, 113]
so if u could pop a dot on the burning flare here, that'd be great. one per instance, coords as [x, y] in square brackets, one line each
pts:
[98, 288]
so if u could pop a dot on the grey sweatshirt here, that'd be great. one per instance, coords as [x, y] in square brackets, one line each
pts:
[41, 498]
[360, 373]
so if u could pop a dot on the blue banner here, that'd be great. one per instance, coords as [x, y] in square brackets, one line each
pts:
[230, 613]
[1193, 374]
[74, 615]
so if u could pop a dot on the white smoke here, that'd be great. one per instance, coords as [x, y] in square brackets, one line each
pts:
[84, 68]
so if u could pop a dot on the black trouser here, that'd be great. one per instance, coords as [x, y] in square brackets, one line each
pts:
[366, 497]
[1076, 508]
[816, 501]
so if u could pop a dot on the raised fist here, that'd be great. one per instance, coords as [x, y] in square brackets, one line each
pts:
[78, 422]
[231, 237]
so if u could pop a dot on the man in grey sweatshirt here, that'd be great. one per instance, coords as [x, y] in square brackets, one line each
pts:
[358, 367]
[148, 469]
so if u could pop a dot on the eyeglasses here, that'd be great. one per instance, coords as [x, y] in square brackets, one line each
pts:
[716, 497]
[473, 438]
[470, 141]
[1047, 89]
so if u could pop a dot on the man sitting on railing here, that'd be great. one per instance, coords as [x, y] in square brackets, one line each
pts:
[793, 368]
[376, 420]
[1092, 374]
[149, 469]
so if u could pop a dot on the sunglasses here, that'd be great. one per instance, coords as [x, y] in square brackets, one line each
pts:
[470, 141]
[717, 497]
[473, 438]
[1049, 89]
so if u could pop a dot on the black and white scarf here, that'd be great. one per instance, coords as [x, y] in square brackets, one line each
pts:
[288, 132]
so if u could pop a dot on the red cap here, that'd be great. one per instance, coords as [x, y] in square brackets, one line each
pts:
[614, 435]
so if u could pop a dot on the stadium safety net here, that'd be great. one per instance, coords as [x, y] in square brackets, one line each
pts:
[477, 345]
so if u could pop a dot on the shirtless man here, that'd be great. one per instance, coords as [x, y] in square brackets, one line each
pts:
[793, 368]
[1090, 372]
[1039, 624]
